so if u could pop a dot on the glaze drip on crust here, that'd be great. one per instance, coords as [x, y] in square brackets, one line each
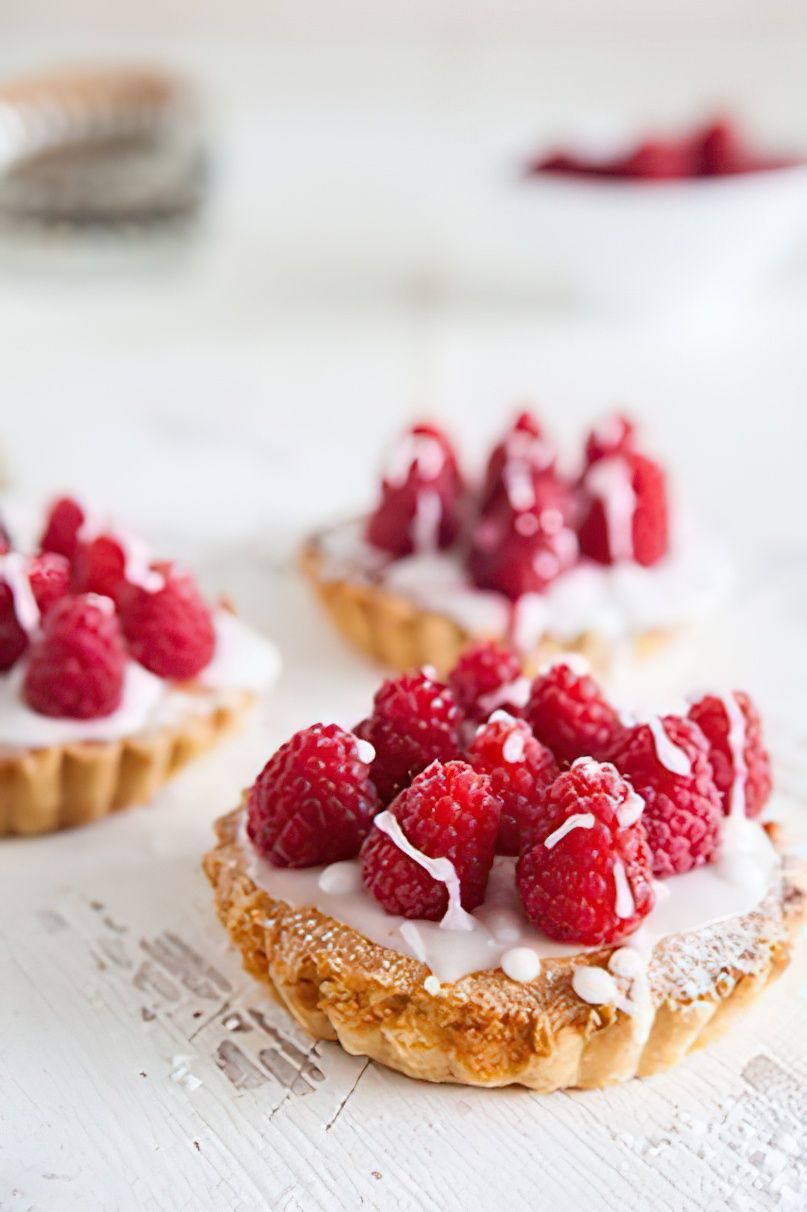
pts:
[486, 1029]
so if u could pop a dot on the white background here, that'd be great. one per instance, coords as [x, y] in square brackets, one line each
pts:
[229, 395]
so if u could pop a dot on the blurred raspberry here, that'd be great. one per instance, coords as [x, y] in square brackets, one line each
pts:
[168, 630]
[627, 513]
[524, 444]
[484, 678]
[49, 578]
[447, 812]
[568, 712]
[613, 435]
[65, 519]
[77, 665]
[99, 566]
[731, 724]
[586, 878]
[520, 770]
[415, 720]
[683, 810]
[420, 496]
[524, 541]
[314, 800]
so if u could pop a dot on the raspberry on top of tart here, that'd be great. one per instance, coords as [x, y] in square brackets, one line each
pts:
[484, 835]
[529, 553]
[109, 661]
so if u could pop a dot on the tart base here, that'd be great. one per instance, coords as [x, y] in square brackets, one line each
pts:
[43, 790]
[402, 635]
[485, 1029]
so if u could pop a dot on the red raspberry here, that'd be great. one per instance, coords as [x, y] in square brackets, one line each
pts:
[591, 884]
[520, 770]
[313, 801]
[627, 515]
[485, 677]
[169, 630]
[720, 150]
[5, 540]
[524, 541]
[731, 723]
[448, 812]
[524, 443]
[661, 160]
[683, 811]
[100, 567]
[65, 519]
[613, 435]
[48, 577]
[420, 496]
[77, 665]
[568, 712]
[415, 720]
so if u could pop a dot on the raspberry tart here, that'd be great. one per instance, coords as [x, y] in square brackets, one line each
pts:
[114, 671]
[545, 560]
[466, 893]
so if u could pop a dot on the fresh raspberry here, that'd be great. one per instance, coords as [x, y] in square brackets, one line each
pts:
[724, 733]
[568, 712]
[77, 665]
[683, 810]
[48, 576]
[613, 435]
[485, 677]
[65, 519]
[100, 567]
[524, 541]
[720, 150]
[313, 801]
[525, 444]
[420, 496]
[520, 770]
[448, 812]
[415, 720]
[627, 515]
[169, 630]
[591, 884]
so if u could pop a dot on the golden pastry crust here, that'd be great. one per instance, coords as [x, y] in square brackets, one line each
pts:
[402, 635]
[485, 1029]
[42, 790]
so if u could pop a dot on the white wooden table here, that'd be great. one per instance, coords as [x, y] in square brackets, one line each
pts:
[139, 1067]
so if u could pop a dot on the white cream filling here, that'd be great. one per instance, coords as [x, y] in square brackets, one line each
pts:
[615, 601]
[734, 885]
[243, 660]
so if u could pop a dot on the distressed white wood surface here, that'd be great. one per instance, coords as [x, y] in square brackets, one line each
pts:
[141, 1069]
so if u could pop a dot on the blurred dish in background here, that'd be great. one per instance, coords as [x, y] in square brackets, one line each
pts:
[718, 149]
[99, 152]
[719, 219]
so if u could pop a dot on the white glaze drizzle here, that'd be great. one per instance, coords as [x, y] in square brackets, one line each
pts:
[14, 571]
[594, 985]
[514, 747]
[671, 756]
[610, 481]
[521, 964]
[418, 450]
[624, 904]
[340, 878]
[736, 743]
[577, 820]
[365, 751]
[425, 528]
[629, 812]
[137, 555]
[440, 869]
[517, 693]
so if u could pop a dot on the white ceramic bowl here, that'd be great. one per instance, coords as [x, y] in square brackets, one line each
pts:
[630, 245]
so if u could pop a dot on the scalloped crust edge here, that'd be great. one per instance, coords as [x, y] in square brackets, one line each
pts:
[401, 635]
[61, 786]
[481, 1031]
